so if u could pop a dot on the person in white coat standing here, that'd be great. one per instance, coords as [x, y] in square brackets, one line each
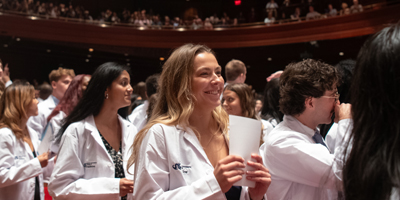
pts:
[94, 141]
[182, 152]
[20, 165]
[67, 103]
[60, 80]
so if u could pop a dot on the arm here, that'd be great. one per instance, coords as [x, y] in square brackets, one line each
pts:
[10, 173]
[152, 175]
[296, 160]
[67, 179]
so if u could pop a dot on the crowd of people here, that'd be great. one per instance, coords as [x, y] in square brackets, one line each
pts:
[327, 132]
[274, 12]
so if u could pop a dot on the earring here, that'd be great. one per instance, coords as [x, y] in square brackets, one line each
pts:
[106, 97]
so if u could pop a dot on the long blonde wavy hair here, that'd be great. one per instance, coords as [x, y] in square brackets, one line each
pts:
[13, 105]
[175, 102]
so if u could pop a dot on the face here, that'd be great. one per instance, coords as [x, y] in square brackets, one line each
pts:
[32, 108]
[61, 86]
[231, 103]
[207, 82]
[85, 82]
[37, 93]
[258, 105]
[325, 107]
[119, 93]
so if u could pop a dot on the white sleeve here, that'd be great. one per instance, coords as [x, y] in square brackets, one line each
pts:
[344, 129]
[152, 176]
[67, 180]
[330, 138]
[266, 129]
[37, 123]
[9, 82]
[10, 173]
[295, 160]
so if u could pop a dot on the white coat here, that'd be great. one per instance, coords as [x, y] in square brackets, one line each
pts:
[173, 165]
[38, 123]
[18, 167]
[139, 115]
[84, 169]
[52, 128]
[300, 168]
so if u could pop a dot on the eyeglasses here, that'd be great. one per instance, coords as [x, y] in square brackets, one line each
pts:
[336, 97]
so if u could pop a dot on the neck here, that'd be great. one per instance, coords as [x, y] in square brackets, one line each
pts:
[200, 120]
[306, 121]
[56, 96]
[22, 123]
[107, 116]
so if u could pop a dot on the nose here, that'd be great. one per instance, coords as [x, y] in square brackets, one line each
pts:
[215, 79]
[224, 104]
[130, 89]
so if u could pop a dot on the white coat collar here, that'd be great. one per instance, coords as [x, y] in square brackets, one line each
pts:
[297, 126]
[90, 125]
[190, 136]
[34, 140]
[50, 102]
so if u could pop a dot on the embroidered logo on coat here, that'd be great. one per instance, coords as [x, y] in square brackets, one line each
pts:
[183, 168]
[90, 164]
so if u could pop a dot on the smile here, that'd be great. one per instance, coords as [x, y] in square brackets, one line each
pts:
[213, 92]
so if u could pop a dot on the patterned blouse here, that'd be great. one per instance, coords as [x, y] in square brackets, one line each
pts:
[117, 160]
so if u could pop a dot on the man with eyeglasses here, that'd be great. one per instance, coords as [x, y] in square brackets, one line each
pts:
[299, 161]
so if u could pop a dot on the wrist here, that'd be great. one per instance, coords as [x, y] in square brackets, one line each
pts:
[262, 198]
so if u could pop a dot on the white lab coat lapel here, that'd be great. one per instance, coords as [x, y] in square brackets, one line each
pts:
[125, 134]
[34, 139]
[90, 126]
[190, 136]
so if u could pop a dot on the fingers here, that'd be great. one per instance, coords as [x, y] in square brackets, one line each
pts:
[233, 173]
[262, 180]
[235, 179]
[231, 158]
[257, 157]
[344, 111]
[257, 166]
[258, 173]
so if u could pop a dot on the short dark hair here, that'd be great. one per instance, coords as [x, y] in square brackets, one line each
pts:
[45, 90]
[308, 78]
[233, 69]
[152, 84]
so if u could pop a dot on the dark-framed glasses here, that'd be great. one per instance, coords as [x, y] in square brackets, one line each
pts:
[335, 96]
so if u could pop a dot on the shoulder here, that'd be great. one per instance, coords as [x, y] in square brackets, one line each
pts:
[6, 132]
[46, 103]
[76, 128]
[282, 134]
[266, 123]
[59, 117]
[6, 136]
[162, 129]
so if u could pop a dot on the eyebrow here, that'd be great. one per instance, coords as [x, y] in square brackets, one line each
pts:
[209, 68]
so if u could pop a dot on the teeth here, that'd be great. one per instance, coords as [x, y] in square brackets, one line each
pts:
[212, 92]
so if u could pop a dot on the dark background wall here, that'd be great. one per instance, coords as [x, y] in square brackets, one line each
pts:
[33, 60]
